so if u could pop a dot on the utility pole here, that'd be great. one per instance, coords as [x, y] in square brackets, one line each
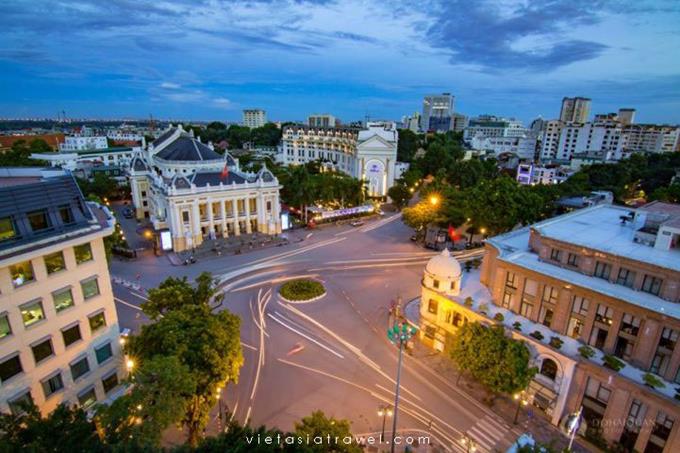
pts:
[400, 334]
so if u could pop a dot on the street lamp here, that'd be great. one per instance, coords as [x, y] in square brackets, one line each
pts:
[522, 400]
[434, 200]
[399, 334]
[218, 395]
[130, 364]
[468, 443]
[384, 411]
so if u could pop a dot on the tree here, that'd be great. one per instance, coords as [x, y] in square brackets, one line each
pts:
[207, 343]
[238, 438]
[101, 186]
[399, 194]
[499, 363]
[20, 156]
[318, 425]
[236, 136]
[64, 429]
[407, 145]
[162, 389]
[420, 215]
[39, 146]
[267, 135]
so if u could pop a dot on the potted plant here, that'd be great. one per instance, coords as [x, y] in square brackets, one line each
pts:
[468, 301]
[517, 326]
[612, 362]
[556, 342]
[484, 308]
[537, 335]
[653, 381]
[499, 317]
[586, 351]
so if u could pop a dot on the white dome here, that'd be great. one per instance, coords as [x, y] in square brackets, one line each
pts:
[444, 266]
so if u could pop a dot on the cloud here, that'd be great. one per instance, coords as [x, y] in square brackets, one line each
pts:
[170, 86]
[222, 102]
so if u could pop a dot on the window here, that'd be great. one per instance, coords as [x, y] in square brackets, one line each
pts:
[63, 299]
[43, 350]
[556, 255]
[550, 294]
[604, 314]
[83, 252]
[185, 216]
[110, 382]
[597, 391]
[457, 319]
[432, 306]
[664, 351]
[32, 313]
[7, 230]
[630, 324]
[575, 327]
[66, 215]
[20, 404]
[626, 277]
[507, 299]
[21, 273]
[546, 316]
[5, 327]
[90, 288]
[97, 321]
[660, 433]
[103, 353]
[52, 385]
[526, 309]
[71, 335]
[580, 305]
[572, 260]
[435, 284]
[651, 285]
[38, 220]
[549, 369]
[602, 270]
[530, 287]
[598, 337]
[10, 367]
[80, 368]
[511, 280]
[87, 398]
[55, 262]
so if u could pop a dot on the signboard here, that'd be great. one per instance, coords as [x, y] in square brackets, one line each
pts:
[166, 240]
[347, 211]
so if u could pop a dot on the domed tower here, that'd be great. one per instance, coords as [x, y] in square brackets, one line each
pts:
[443, 274]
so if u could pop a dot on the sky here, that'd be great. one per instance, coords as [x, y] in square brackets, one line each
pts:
[209, 59]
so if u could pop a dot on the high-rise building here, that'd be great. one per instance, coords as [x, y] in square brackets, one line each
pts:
[460, 122]
[322, 120]
[575, 110]
[437, 113]
[254, 118]
[488, 126]
[626, 116]
[58, 323]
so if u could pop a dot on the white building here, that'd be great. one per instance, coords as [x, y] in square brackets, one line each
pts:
[322, 120]
[369, 153]
[74, 160]
[80, 142]
[522, 147]
[532, 174]
[487, 126]
[194, 193]
[575, 110]
[253, 118]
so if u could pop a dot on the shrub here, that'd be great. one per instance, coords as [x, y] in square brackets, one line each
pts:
[484, 308]
[468, 266]
[556, 342]
[517, 325]
[499, 317]
[612, 362]
[653, 381]
[301, 289]
[468, 301]
[586, 351]
[537, 335]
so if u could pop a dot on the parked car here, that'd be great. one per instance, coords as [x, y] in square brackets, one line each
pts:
[127, 213]
[356, 223]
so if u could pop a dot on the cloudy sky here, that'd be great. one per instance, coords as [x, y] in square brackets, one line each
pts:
[208, 59]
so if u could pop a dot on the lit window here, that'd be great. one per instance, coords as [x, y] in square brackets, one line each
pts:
[90, 288]
[63, 299]
[54, 262]
[87, 398]
[7, 230]
[32, 313]
[52, 385]
[21, 273]
[97, 321]
[5, 327]
[83, 252]
[432, 306]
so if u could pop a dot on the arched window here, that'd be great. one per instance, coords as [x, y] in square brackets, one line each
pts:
[549, 369]
[457, 320]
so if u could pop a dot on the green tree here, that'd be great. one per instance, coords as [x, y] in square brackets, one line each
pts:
[267, 135]
[237, 135]
[407, 145]
[175, 293]
[100, 186]
[420, 215]
[39, 146]
[399, 194]
[319, 425]
[499, 363]
[241, 439]
[20, 156]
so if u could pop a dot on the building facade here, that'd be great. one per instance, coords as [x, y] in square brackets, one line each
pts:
[184, 187]
[437, 113]
[576, 110]
[59, 332]
[523, 147]
[322, 120]
[368, 153]
[253, 118]
[532, 174]
[83, 142]
[488, 126]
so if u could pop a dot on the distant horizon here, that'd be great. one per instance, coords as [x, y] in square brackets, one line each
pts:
[203, 61]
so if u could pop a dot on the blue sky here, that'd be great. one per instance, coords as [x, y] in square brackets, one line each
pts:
[209, 59]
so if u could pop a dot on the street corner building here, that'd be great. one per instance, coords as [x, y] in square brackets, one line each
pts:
[59, 333]
[595, 295]
[183, 186]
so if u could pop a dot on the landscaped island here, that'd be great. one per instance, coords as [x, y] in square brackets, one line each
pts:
[302, 290]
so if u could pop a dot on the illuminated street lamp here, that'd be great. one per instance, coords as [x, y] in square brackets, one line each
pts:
[468, 443]
[434, 200]
[218, 395]
[522, 400]
[384, 411]
[399, 334]
[130, 364]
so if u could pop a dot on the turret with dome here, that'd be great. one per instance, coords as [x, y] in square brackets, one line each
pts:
[443, 273]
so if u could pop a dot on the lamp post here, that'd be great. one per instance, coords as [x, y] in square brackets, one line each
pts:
[399, 334]
[384, 411]
[468, 443]
[218, 395]
[522, 400]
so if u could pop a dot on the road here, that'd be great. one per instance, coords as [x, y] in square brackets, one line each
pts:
[331, 354]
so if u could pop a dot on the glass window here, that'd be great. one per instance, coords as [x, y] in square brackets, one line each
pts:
[43, 350]
[80, 368]
[38, 220]
[432, 306]
[7, 230]
[5, 327]
[526, 309]
[63, 299]
[550, 294]
[435, 283]
[572, 260]
[71, 335]
[575, 327]
[87, 398]
[54, 262]
[507, 299]
[602, 270]
[10, 367]
[651, 285]
[580, 305]
[549, 369]
[511, 280]
[52, 385]
[66, 215]
[21, 273]
[20, 404]
[32, 313]
[546, 316]
[604, 314]
[90, 288]
[83, 252]
[626, 277]
[103, 353]
[630, 324]
[556, 255]
[97, 321]
[110, 382]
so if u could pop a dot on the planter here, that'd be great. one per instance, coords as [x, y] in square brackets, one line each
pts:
[537, 335]
[611, 362]
[556, 342]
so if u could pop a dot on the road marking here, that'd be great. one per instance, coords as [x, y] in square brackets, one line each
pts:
[248, 346]
[127, 303]
[139, 295]
[487, 432]
[272, 281]
[248, 414]
[305, 336]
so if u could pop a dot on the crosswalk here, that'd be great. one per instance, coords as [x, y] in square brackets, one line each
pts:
[485, 434]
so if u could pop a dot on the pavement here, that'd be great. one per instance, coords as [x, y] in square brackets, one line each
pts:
[331, 354]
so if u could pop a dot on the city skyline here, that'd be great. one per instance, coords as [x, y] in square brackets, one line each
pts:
[210, 60]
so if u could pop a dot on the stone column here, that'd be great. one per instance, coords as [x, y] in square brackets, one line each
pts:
[246, 205]
[237, 229]
[223, 211]
[195, 223]
[211, 223]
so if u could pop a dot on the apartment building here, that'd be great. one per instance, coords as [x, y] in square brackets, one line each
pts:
[83, 142]
[437, 113]
[253, 118]
[59, 333]
[488, 126]
[322, 120]
[575, 110]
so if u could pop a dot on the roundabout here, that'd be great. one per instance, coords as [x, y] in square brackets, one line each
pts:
[301, 290]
